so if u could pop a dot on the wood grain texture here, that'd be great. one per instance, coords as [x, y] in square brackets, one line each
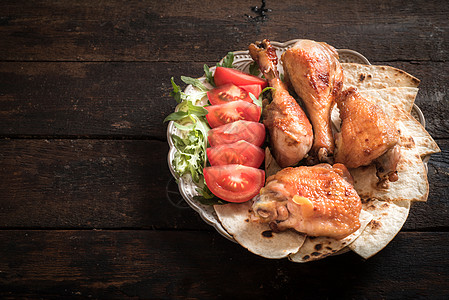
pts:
[169, 31]
[168, 265]
[87, 99]
[132, 99]
[90, 184]
[127, 184]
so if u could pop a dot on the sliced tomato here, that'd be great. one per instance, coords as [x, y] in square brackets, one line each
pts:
[227, 93]
[240, 152]
[252, 132]
[234, 183]
[233, 111]
[254, 89]
[228, 75]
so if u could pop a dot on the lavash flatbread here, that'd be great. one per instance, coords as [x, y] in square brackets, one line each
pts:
[409, 126]
[271, 165]
[403, 97]
[367, 77]
[388, 219]
[257, 237]
[411, 185]
[315, 248]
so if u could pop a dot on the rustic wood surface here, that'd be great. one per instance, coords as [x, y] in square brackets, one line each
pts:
[88, 207]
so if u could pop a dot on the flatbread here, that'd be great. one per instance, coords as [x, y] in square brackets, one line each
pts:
[388, 219]
[424, 143]
[412, 184]
[271, 165]
[315, 248]
[409, 126]
[257, 237]
[404, 97]
[367, 77]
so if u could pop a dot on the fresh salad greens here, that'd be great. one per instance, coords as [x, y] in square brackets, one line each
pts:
[254, 69]
[227, 63]
[258, 101]
[191, 142]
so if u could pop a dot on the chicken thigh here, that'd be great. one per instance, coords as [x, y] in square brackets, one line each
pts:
[366, 132]
[317, 201]
[290, 131]
[315, 73]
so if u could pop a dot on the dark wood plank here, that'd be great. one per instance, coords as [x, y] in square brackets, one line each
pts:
[132, 99]
[168, 31]
[87, 99]
[90, 184]
[155, 264]
[124, 184]
[421, 215]
[432, 97]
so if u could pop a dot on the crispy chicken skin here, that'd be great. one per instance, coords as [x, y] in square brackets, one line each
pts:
[366, 132]
[291, 133]
[315, 200]
[315, 73]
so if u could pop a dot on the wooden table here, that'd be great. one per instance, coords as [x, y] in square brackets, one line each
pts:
[88, 207]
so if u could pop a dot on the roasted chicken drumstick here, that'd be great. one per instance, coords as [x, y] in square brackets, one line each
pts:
[315, 73]
[291, 133]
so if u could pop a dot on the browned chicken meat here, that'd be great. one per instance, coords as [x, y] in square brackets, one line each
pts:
[290, 131]
[315, 73]
[317, 201]
[366, 132]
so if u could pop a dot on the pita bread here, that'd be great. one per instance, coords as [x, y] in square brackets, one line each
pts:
[257, 237]
[367, 77]
[388, 218]
[315, 248]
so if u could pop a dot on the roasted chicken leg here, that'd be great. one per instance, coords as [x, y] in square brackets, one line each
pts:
[366, 132]
[315, 73]
[317, 201]
[291, 133]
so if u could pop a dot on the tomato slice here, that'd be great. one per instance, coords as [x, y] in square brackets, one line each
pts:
[232, 111]
[252, 132]
[227, 93]
[224, 75]
[240, 152]
[234, 183]
[254, 89]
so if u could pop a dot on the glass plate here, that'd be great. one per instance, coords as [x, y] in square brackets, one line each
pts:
[242, 61]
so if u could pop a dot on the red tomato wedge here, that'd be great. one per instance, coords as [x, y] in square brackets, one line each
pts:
[255, 89]
[227, 93]
[232, 111]
[252, 132]
[234, 183]
[228, 75]
[240, 152]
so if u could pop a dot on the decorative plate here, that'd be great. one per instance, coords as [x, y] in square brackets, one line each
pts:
[242, 61]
